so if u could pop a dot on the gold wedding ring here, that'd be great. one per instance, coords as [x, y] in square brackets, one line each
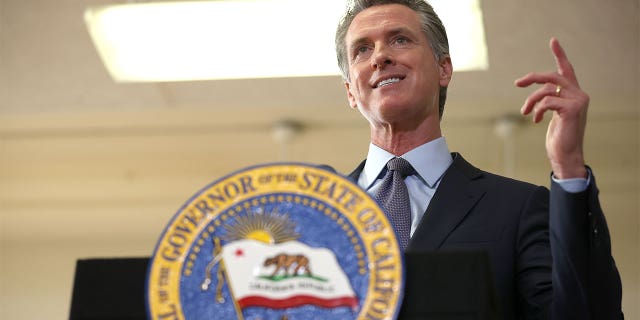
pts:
[558, 89]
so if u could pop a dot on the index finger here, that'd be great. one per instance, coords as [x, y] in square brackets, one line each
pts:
[562, 62]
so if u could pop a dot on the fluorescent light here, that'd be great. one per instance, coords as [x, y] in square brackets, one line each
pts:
[198, 40]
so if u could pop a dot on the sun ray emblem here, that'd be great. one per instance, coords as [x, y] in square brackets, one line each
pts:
[268, 227]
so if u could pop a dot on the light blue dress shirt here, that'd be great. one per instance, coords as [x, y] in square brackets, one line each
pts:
[430, 160]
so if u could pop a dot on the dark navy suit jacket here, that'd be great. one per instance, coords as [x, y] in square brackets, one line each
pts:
[550, 252]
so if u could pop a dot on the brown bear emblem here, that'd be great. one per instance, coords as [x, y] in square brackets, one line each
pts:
[285, 262]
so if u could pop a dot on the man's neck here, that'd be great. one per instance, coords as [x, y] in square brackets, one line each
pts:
[399, 142]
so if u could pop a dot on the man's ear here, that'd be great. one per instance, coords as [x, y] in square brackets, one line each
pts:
[352, 100]
[446, 70]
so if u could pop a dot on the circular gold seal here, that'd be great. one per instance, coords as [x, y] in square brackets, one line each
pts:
[277, 241]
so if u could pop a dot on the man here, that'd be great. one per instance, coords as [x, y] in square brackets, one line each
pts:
[550, 252]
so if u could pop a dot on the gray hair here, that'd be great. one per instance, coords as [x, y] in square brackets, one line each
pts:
[431, 26]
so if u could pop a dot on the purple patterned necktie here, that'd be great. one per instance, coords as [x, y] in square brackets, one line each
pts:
[394, 198]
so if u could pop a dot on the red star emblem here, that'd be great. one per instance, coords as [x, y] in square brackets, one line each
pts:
[239, 252]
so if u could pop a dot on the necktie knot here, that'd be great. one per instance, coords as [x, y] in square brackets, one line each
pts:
[401, 166]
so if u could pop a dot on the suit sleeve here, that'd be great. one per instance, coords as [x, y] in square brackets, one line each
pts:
[533, 267]
[586, 282]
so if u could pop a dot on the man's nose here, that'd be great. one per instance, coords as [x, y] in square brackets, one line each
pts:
[382, 57]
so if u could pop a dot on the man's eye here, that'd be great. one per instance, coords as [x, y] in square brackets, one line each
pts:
[401, 40]
[362, 49]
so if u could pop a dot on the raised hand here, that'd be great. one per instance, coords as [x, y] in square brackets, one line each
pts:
[560, 93]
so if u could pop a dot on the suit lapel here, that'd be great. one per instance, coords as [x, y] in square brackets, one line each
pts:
[459, 190]
[356, 173]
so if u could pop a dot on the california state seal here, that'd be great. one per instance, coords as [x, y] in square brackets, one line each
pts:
[277, 241]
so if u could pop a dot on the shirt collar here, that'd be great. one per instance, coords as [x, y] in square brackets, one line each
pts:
[430, 161]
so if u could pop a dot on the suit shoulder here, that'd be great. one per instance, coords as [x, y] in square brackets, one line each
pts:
[507, 182]
[495, 181]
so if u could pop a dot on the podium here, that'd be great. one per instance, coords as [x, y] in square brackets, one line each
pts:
[109, 289]
[449, 286]
[439, 285]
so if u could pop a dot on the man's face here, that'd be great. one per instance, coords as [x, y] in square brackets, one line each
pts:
[394, 77]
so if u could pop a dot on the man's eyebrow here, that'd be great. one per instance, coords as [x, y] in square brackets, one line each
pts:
[356, 43]
[388, 33]
[399, 30]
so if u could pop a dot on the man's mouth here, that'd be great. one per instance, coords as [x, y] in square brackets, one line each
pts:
[389, 81]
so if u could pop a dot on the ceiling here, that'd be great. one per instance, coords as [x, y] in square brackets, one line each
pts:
[71, 136]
